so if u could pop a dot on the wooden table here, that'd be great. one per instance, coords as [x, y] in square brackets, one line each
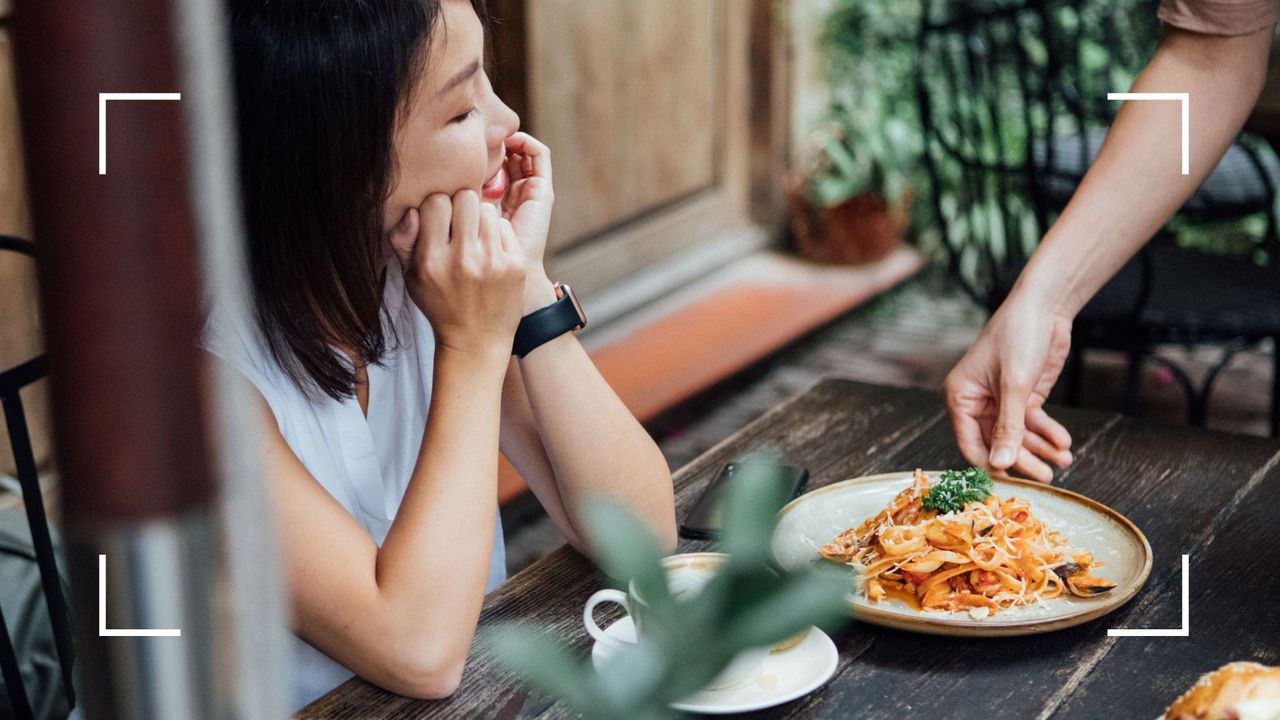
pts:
[1213, 496]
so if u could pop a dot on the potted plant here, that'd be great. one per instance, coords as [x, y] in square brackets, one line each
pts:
[849, 195]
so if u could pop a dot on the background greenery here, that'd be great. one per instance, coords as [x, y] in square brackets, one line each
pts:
[870, 139]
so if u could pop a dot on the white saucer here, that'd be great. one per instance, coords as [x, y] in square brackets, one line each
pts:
[783, 676]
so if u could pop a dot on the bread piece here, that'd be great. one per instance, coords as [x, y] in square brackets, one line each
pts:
[1237, 691]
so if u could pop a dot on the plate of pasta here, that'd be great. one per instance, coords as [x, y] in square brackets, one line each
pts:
[956, 552]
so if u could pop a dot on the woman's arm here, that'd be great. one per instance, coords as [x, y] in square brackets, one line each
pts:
[571, 438]
[402, 616]
[564, 429]
[994, 395]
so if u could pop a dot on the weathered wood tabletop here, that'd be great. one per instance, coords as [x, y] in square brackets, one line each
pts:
[1213, 496]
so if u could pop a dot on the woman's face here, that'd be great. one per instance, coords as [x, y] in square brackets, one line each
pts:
[452, 138]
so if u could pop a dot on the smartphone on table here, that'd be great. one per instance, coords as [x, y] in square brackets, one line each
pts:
[704, 521]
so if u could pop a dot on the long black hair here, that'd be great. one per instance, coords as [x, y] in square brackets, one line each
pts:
[321, 86]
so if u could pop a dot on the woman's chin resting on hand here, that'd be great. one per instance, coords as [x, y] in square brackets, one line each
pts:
[390, 549]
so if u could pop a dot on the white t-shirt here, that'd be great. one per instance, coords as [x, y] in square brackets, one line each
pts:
[364, 462]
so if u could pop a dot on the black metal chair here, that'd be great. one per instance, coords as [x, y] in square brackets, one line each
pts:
[1012, 99]
[12, 381]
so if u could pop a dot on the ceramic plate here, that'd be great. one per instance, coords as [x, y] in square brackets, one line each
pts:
[783, 676]
[812, 520]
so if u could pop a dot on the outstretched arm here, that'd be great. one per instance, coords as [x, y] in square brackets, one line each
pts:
[994, 395]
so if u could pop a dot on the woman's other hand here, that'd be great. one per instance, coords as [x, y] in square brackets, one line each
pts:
[529, 200]
[464, 270]
[996, 393]
[528, 206]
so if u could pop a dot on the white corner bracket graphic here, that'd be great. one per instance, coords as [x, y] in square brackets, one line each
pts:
[1185, 99]
[102, 118]
[1185, 630]
[103, 630]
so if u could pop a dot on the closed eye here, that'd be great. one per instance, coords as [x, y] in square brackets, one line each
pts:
[463, 116]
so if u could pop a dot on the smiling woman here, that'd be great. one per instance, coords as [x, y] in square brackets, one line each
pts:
[397, 223]
[321, 93]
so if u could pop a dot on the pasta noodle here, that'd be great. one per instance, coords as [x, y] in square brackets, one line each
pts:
[990, 555]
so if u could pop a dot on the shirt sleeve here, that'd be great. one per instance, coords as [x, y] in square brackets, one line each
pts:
[1220, 17]
[241, 345]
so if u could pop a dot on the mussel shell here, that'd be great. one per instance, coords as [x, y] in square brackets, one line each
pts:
[1066, 571]
[1085, 586]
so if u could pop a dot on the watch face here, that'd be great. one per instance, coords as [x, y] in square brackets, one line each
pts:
[577, 307]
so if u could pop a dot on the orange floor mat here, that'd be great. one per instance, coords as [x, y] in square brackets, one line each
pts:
[670, 360]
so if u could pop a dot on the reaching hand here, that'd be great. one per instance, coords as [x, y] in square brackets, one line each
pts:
[463, 269]
[996, 393]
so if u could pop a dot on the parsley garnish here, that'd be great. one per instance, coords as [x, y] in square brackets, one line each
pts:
[957, 487]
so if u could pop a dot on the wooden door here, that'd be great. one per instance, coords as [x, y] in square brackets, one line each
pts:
[663, 118]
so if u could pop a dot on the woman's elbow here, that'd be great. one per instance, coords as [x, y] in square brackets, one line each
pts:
[440, 685]
[667, 537]
[422, 660]
[664, 522]
[428, 676]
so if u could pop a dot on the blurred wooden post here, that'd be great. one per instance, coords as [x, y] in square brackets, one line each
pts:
[121, 315]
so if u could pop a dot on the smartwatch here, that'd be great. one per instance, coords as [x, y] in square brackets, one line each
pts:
[544, 325]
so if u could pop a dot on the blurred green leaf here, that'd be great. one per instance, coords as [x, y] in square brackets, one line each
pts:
[1093, 56]
[842, 158]
[627, 550]
[751, 504]
[533, 655]
[798, 601]
[632, 675]
[688, 640]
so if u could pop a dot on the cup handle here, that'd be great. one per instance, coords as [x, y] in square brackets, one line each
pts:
[594, 630]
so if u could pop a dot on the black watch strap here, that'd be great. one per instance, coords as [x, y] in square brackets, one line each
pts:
[544, 325]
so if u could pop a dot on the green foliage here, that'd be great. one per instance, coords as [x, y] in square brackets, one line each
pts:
[869, 139]
[1241, 237]
[957, 487]
[990, 219]
[748, 603]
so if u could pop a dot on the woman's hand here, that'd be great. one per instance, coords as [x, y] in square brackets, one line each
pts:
[528, 206]
[464, 270]
[996, 393]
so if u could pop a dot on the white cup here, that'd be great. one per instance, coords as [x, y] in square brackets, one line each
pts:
[687, 574]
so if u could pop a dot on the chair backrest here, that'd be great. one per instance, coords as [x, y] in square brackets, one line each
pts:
[12, 381]
[999, 85]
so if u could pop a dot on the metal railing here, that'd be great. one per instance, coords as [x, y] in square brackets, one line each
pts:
[12, 381]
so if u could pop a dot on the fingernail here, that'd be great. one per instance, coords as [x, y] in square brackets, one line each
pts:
[1002, 457]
